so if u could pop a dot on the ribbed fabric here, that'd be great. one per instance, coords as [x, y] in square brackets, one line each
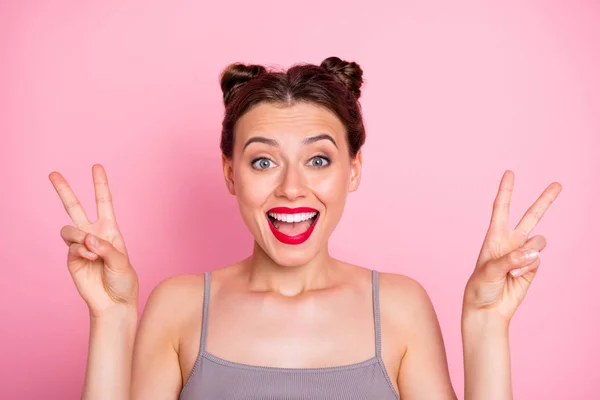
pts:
[214, 378]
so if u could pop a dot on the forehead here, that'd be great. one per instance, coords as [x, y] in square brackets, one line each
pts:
[301, 119]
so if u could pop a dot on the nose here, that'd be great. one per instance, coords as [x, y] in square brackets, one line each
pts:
[293, 184]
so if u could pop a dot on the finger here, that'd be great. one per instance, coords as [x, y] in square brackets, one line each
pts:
[114, 259]
[69, 200]
[526, 269]
[104, 204]
[71, 235]
[501, 206]
[516, 259]
[537, 243]
[535, 213]
[77, 250]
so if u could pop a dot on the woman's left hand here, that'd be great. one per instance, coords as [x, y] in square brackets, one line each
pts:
[509, 259]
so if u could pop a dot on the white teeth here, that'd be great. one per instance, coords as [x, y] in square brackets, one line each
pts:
[293, 217]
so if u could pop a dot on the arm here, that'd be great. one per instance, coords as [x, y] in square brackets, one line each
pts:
[423, 372]
[507, 264]
[173, 304]
[109, 355]
[486, 354]
[121, 366]
[99, 265]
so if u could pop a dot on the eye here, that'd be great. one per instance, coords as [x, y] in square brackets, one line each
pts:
[262, 163]
[319, 161]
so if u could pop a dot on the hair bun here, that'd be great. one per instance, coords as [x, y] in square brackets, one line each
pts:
[235, 76]
[348, 73]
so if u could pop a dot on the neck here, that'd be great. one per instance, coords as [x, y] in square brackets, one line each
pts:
[264, 274]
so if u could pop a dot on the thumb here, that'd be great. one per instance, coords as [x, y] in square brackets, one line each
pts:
[114, 259]
[524, 256]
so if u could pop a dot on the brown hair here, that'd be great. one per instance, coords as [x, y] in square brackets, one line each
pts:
[335, 85]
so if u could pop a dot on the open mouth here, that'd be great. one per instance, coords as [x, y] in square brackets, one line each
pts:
[292, 225]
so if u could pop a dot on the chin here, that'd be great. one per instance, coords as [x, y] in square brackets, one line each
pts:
[292, 258]
[293, 235]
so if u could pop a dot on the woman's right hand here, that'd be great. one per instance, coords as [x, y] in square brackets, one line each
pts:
[97, 258]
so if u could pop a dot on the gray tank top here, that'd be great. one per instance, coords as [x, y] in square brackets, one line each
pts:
[214, 378]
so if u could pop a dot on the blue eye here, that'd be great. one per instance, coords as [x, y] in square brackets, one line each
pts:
[262, 163]
[319, 161]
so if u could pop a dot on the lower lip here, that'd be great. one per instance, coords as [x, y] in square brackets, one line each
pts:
[296, 239]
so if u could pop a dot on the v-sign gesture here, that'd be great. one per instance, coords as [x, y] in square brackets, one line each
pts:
[97, 257]
[509, 259]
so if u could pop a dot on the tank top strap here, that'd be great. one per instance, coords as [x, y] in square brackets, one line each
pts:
[376, 314]
[205, 312]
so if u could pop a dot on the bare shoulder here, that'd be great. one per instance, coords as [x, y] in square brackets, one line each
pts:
[423, 370]
[404, 300]
[173, 303]
[178, 285]
[176, 291]
[401, 287]
[156, 367]
[176, 302]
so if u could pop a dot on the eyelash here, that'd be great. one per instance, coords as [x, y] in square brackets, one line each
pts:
[322, 156]
[254, 161]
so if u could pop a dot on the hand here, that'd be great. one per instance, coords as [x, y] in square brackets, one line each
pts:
[509, 259]
[97, 257]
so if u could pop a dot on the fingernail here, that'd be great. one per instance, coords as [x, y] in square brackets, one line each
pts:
[93, 240]
[530, 254]
[516, 272]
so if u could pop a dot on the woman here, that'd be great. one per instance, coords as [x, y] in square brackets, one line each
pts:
[290, 321]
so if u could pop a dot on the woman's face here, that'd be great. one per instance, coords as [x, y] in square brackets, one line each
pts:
[291, 172]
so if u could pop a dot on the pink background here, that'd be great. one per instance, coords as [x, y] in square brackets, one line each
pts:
[454, 95]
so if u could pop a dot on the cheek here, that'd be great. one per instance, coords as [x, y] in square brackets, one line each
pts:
[252, 190]
[331, 186]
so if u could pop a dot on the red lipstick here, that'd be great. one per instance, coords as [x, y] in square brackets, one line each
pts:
[296, 239]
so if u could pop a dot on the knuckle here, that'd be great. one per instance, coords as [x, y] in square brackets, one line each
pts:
[521, 233]
[514, 258]
[537, 214]
[72, 234]
[64, 231]
[73, 248]
[502, 205]
[104, 198]
[542, 241]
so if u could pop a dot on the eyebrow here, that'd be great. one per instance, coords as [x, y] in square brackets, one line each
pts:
[322, 136]
[271, 142]
[260, 139]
